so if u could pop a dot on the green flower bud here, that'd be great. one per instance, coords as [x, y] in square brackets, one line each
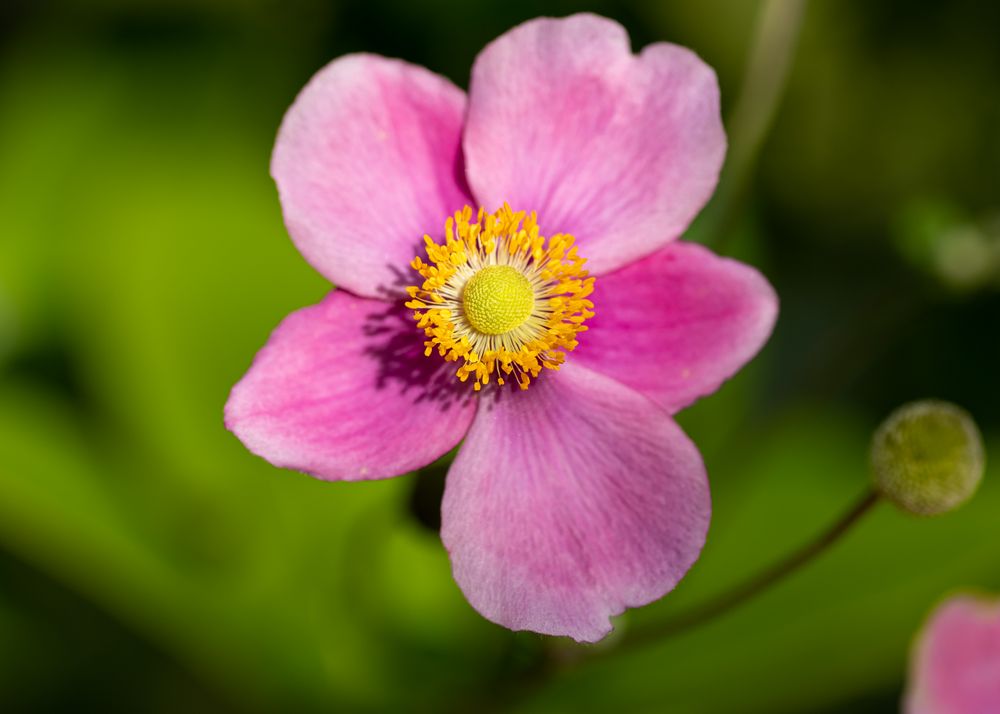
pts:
[927, 457]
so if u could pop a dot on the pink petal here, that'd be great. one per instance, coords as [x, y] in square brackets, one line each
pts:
[367, 161]
[342, 391]
[620, 150]
[956, 664]
[570, 502]
[677, 324]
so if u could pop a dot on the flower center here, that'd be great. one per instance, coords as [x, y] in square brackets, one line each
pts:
[497, 299]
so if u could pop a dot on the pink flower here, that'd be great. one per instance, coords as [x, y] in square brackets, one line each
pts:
[955, 667]
[578, 495]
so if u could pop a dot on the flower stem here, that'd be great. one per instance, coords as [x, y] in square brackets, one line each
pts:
[752, 587]
[771, 53]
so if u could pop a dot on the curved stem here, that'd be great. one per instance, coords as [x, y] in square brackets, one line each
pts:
[755, 585]
[771, 53]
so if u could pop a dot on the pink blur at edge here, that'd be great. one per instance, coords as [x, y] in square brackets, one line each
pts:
[956, 660]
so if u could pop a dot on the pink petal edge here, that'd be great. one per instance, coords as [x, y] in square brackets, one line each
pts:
[955, 665]
[343, 391]
[677, 324]
[367, 161]
[570, 502]
[620, 150]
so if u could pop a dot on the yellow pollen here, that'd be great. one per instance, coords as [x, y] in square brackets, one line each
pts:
[497, 299]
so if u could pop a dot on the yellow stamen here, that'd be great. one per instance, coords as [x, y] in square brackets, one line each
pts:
[500, 298]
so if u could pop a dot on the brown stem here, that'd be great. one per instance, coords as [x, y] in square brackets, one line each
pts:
[752, 587]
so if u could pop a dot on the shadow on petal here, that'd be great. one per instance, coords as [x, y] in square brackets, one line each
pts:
[398, 346]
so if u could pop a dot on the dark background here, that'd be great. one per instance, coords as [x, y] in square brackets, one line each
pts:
[148, 563]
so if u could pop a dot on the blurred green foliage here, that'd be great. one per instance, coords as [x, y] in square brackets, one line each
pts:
[149, 563]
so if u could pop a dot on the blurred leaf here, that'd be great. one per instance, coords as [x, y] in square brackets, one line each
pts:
[938, 238]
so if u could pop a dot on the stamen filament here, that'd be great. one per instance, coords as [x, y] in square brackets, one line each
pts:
[523, 311]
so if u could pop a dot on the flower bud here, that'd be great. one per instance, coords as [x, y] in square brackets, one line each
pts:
[927, 457]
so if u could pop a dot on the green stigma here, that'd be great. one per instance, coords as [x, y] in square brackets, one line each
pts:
[497, 299]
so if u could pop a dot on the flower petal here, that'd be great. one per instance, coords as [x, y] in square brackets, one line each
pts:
[956, 664]
[620, 150]
[677, 324]
[367, 161]
[570, 502]
[342, 391]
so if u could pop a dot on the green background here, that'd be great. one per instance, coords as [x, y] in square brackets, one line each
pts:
[148, 563]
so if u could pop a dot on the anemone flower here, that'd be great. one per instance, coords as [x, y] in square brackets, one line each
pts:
[955, 667]
[456, 229]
